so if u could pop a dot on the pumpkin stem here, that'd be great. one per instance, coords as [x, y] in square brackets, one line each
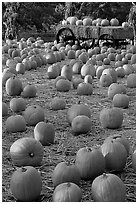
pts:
[24, 169]
[89, 149]
[31, 154]
[68, 184]
[104, 175]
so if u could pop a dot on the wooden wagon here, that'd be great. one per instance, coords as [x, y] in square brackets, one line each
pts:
[94, 35]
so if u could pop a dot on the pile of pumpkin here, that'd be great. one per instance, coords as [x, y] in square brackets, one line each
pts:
[87, 21]
[91, 163]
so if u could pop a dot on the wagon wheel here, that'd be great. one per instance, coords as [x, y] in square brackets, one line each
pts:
[65, 35]
[106, 39]
[87, 43]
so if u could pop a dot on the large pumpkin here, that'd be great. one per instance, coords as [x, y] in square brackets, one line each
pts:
[115, 155]
[44, 133]
[81, 124]
[77, 109]
[84, 89]
[105, 80]
[26, 151]
[67, 192]
[15, 123]
[111, 117]
[120, 100]
[131, 81]
[14, 86]
[90, 163]
[64, 172]
[63, 85]
[26, 184]
[29, 91]
[108, 188]
[33, 114]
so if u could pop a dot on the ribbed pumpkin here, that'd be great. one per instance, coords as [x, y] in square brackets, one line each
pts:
[131, 81]
[33, 114]
[67, 72]
[105, 80]
[90, 163]
[67, 192]
[108, 188]
[17, 104]
[29, 91]
[76, 81]
[116, 88]
[84, 89]
[63, 85]
[88, 69]
[14, 86]
[120, 72]
[58, 103]
[115, 155]
[65, 172]
[15, 123]
[111, 118]
[76, 68]
[20, 68]
[120, 100]
[81, 124]
[119, 138]
[77, 109]
[52, 71]
[26, 151]
[26, 184]
[44, 133]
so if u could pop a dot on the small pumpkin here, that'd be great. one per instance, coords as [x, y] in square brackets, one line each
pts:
[63, 85]
[131, 81]
[108, 188]
[65, 172]
[115, 155]
[120, 100]
[67, 192]
[26, 184]
[29, 91]
[33, 114]
[111, 118]
[15, 123]
[84, 89]
[44, 133]
[14, 86]
[58, 103]
[81, 124]
[26, 151]
[90, 162]
[17, 104]
[77, 109]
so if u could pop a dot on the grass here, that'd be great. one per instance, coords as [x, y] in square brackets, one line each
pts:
[66, 144]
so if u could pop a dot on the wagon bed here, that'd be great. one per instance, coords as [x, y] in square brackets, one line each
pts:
[115, 33]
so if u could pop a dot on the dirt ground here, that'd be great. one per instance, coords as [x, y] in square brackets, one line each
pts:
[66, 144]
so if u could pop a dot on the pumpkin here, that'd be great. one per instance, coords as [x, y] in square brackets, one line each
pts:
[50, 58]
[4, 109]
[133, 59]
[84, 89]
[15, 53]
[115, 155]
[99, 71]
[63, 85]
[105, 80]
[76, 81]
[83, 57]
[29, 91]
[65, 172]
[112, 73]
[106, 61]
[120, 72]
[44, 133]
[88, 79]
[90, 162]
[134, 160]
[125, 24]
[108, 188]
[88, 69]
[57, 78]
[53, 71]
[114, 22]
[120, 100]
[71, 54]
[76, 68]
[131, 80]
[26, 151]
[116, 88]
[79, 22]
[77, 109]
[15, 123]
[26, 184]
[111, 118]
[127, 68]
[6, 74]
[67, 72]
[105, 22]
[87, 21]
[67, 192]
[20, 68]
[81, 124]
[14, 86]
[33, 114]
[17, 104]
[58, 103]
[119, 138]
